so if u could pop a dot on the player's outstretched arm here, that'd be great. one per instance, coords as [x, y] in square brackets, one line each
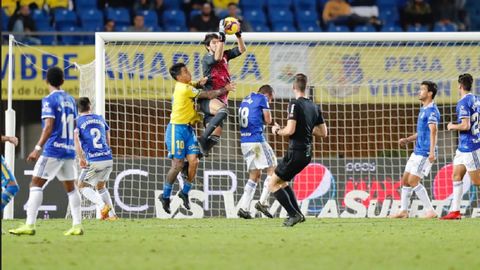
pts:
[219, 50]
[405, 141]
[11, 139]
[216, 93]
[464, 126]
[46, 132]
[433, 141]
[241, 43]
[320, 131]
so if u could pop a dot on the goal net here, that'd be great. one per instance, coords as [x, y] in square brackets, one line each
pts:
[366, 84]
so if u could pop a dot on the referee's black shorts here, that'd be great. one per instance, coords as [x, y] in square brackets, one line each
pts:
[292, 163]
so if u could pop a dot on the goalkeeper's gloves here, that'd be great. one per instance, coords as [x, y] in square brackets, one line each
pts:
[221, 30]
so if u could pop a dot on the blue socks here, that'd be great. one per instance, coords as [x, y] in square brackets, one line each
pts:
[186, 187]
[8, 194]
[167, 190]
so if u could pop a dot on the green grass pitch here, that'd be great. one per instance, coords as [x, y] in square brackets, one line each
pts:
[218, 243]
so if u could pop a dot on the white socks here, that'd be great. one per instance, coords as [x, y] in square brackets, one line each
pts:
[74, 202]
[35, 199]
[248, 193]
[423, 196]
[457, 195]
[265, 191]
[405, 197]
[105, 195]
[92, 196]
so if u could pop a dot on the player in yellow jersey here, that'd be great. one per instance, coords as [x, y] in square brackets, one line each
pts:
[180, 136]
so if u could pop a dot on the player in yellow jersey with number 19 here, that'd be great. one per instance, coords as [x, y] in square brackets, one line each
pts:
[180, 136]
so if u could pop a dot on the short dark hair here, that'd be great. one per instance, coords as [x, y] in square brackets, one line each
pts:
[176, 69]
[431, 86]
[466, 80]
[55, 76]
[208, 38]
[265, 89]
[83, 104]
[232, 4]
[300, 80]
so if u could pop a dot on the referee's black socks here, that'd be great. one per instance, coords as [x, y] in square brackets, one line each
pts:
[293, 199]
[284, 199]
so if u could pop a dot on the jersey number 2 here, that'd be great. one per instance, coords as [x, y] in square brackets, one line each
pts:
[96, 134]
[244, 117]
[475, 124]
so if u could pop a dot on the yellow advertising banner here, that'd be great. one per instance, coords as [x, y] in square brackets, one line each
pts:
[337, 74]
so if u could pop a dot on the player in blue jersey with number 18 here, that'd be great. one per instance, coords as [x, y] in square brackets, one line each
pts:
[92, 137]
[254, 112]
[467, 156]
[424, 154]
[58, 157]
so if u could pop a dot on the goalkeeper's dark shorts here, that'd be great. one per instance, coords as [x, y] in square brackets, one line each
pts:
[293, 163]
[205, 108]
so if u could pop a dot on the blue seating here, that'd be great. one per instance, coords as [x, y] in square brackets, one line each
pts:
[68, 39]
[41, 18]
[174, 19]
[304, 4]
[280, 15]
[279, 4]
[254, 16]
[151, 19]
[392, 28]
[91, 27]
[309, 27]
[121, 16]
[252, 4]
[365, 28]
[172, 4]
[194, 13]
[81, 5]
[337, 28]
[64, 18]
[222, 14]
[306, 15]
[260, 27]
[449, 27]
[46, 39]
[5, 19]
[284, 27]
[389, 15]
[91, 17]
[414, 28]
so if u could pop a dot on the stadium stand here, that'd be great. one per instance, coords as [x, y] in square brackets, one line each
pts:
[89, 16]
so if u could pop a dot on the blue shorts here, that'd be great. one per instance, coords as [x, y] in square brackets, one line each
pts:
[7, 175]
[181, 141]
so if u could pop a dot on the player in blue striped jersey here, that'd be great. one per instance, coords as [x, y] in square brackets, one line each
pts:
[92, 137]
[425, 152]
[58, 158]
[467, 156]
[254, 113]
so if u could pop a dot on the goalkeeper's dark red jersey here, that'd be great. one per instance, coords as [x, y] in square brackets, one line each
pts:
[217, 71]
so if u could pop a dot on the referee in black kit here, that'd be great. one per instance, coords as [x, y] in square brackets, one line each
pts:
[304, 119]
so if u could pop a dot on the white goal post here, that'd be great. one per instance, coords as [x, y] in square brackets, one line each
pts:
[365, 82]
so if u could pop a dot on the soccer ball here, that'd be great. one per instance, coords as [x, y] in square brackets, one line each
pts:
[232, 25]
